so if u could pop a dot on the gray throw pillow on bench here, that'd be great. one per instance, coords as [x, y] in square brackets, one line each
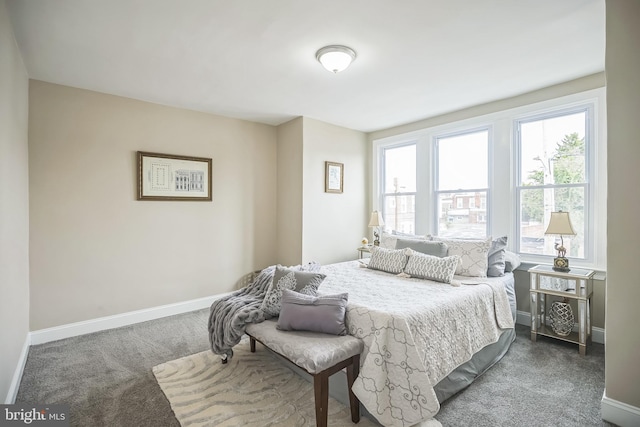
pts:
[323, 313]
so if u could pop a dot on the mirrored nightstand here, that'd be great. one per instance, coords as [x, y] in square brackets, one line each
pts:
[362, 250]
[574, 285]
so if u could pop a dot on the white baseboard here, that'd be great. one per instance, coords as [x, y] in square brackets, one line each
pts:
[17, 375]
[124, 319]
[524, 318]
[619, 413]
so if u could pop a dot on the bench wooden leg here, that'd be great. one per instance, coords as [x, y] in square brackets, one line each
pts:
[321, 389]
[353, 370]
[252, 344]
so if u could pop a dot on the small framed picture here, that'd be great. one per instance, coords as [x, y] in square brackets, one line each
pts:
[333, 177]
[171, 177]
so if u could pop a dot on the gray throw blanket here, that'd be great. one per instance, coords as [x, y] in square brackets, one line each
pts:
[230, 315]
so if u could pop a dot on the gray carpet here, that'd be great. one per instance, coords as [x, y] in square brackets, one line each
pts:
[106, 378]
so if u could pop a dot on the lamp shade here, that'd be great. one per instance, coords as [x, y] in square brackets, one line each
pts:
[376, 219]
[335, 58]
[560, 224]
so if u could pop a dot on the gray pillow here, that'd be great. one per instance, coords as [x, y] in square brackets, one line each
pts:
[426, 247]
[512, 261]
[304, 282]
[323, 313]
[496, 257]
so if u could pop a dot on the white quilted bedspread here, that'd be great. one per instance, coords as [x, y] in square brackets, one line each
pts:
[415, 333]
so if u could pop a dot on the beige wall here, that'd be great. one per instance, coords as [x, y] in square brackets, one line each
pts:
[289, 167]
[583, 84]
[314, 225]
[622, 367]
[95, 250]
[14, 206]
[333, 223]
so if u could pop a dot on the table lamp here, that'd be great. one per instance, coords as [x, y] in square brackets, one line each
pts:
[376, 221]
[560, 225]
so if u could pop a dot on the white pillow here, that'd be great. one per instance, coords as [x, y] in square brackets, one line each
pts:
[431, 267]
[473, 255]
[389, 260]
[512, 261]
[388, 241]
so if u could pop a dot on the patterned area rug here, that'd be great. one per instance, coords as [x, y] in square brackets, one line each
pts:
[253, 389]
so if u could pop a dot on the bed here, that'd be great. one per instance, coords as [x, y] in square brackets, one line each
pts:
[423, 340]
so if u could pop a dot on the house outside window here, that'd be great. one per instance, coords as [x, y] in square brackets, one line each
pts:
[399, 182]
[462, 174]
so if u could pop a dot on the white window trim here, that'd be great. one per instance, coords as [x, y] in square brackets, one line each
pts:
[441, 135]
[502, 180]
[589, 109]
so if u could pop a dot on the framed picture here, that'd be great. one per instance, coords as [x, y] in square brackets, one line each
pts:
[333, 177]
[170, 177]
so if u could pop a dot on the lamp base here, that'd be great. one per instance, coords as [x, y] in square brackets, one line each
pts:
[561, 264]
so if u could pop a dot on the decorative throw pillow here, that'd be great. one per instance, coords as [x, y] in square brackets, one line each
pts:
[432, 267]
[389, 260]
[496, 257]
[473, 255]
[324, 313]
[512, 261]
[427, 247]
[304, 282]
[389, 241]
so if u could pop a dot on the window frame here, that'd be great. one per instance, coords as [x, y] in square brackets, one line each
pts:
[588, 108]
[436, 168]
[382, 181]
[503, 201]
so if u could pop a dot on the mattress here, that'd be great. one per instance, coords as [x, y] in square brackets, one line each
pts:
[418, 333]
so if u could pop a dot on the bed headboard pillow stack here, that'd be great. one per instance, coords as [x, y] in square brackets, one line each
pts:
[485, 257]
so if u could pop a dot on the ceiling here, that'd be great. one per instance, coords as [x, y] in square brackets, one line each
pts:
[255, 59]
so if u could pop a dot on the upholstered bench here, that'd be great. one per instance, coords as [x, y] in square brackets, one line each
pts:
[321, 355]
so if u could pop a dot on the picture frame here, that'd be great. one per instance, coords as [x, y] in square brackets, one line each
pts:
[333, 177]
[174, 178]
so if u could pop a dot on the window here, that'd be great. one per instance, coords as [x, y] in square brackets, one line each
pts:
[462, 175]
[552, 176]
[399, 183]
[503, 173]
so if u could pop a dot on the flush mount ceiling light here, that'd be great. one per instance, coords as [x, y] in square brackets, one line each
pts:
[335, 58]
